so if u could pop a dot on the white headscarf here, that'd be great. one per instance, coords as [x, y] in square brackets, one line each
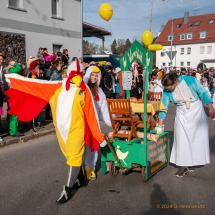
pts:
[88, 74]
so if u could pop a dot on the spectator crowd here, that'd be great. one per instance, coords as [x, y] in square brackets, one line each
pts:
[53, 67]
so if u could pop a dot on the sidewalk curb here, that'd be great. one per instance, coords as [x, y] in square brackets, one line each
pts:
[26, 137]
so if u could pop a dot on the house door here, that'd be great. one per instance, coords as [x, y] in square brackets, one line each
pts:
[57, 47]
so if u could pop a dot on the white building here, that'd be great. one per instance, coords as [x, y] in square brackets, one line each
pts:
[192, 38]
[53, 24]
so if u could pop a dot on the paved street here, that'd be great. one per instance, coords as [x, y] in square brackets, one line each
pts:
[32, 174]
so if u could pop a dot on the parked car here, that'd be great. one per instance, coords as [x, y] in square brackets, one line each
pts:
[103, 58]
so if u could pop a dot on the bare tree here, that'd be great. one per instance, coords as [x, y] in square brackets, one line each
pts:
[121, 48]
[93, 48]
[100, 49]
[90, 48]
[86, 47]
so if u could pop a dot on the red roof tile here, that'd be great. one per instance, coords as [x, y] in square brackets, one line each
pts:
[184, 29]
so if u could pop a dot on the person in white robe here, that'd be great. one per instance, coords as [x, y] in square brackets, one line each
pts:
[92, 79]
[191, 138]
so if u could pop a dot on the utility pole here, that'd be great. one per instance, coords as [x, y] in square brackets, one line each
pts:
[195, 9]
[171, 40]
[150, 25]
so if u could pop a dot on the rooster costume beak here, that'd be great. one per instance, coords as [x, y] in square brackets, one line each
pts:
[77, 80]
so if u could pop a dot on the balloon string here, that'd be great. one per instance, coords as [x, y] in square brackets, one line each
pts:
[112, 31]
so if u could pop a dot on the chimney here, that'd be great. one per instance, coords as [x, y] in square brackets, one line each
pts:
[186, 17]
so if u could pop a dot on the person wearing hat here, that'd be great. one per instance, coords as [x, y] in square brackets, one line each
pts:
[12, 119]
[33, 65]
[74, 116]
[34, 69]
[92, 79]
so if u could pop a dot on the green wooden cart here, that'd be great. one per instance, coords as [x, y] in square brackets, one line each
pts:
[138, 154]
[147, 157]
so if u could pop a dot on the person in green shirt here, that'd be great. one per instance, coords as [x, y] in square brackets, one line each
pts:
[12, 121]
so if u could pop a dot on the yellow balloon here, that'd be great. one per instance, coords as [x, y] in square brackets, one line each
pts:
[106, 11]
[147, 37]
[155, 47]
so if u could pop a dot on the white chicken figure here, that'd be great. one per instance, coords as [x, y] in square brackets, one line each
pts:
[121, 155]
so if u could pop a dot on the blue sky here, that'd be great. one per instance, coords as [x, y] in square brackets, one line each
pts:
[132, 17]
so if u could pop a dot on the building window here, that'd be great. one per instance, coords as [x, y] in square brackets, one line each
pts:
[178, 26]
[202, 49]
[182, 37]
[211, 21]
[181, 63]
[188, 50]
[202, 34]
[182, 50]
[197, 23]
[56, 47]
[164, 64]
[16, 3]
[189, 36]
[209, 49]
[188, 63]
[170, 37]
[191, 24]
[57, 8]
[170, 64]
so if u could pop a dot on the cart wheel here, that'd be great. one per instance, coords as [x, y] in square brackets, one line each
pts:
[113, 170]
[143, 173]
